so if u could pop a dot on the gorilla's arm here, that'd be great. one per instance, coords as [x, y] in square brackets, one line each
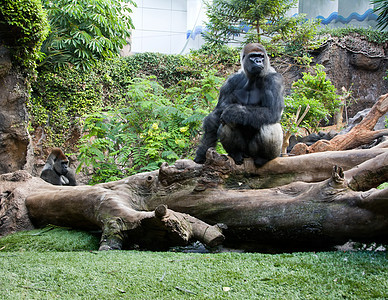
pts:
[50, 176]
[267, 110]
[70, 175]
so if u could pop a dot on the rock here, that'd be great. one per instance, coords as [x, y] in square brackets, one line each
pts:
[5, 62]
[361, 61]
[351, 62]
[14, 137]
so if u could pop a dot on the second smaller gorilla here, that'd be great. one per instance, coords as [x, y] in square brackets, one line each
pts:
[56, 170]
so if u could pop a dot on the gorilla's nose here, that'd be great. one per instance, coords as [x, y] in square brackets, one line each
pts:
[257, 60]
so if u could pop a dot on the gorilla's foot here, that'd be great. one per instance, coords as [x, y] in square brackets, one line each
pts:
[259, 161]
[237, 157]
[199, 159]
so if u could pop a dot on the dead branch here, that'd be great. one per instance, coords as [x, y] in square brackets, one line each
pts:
[359, 135]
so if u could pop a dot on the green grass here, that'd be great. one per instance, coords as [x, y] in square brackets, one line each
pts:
[47, 272]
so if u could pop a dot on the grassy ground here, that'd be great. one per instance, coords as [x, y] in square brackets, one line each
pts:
[59, 264]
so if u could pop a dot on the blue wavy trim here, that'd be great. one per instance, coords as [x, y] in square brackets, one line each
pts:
[353, 16]
[193, 33]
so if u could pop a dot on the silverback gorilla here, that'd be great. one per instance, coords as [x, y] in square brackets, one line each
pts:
[56, 170]
[246, 118]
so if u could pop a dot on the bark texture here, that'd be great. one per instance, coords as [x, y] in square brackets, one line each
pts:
[313, 214]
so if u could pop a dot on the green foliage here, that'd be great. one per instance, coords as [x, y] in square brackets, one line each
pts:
[371, 35]
[60, 99]
[168, 69]
[315, 91]
[294, 36]
[23, 27]
[84, 31]
[264, 22]
[151, 125]
[213, 56]
[381, 8]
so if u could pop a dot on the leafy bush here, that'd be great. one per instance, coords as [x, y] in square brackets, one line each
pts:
[209, 56]
[313, 95]
[61, 99]
[83, 31]
[168, 68]
[23, 27]
[150, 126]
[317, 91]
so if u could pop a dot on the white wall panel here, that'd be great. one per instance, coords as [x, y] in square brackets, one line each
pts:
[157, 4]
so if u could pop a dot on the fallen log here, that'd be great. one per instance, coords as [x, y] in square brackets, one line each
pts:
[361, 134]
[314, 167]
[296, 216]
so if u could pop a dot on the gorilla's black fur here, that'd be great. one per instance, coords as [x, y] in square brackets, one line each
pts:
[246, 118]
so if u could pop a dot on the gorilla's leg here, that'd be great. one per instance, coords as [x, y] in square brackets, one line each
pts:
[209, 139]
[233, 141]
[266, 144]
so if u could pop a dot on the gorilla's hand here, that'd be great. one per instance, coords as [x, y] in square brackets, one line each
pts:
[64, 180]
[234, 114]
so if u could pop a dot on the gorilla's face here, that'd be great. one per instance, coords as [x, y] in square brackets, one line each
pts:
[61, 166]
[254, 63]
[254, 60]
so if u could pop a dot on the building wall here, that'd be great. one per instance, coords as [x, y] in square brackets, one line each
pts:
[160, 26]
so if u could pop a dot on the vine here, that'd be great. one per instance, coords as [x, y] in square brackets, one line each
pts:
[23, 27]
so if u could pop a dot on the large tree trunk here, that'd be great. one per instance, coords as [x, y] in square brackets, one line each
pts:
[297, 216]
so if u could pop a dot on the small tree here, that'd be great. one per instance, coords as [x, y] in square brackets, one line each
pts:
[315, 97]
[262, 21]
[85, 31]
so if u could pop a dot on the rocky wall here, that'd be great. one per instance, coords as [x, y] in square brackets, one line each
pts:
[351, 62]
[14, 137]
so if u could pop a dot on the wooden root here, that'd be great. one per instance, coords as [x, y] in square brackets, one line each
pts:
[361, 134]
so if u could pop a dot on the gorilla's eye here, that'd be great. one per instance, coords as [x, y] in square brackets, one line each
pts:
[260, 55]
